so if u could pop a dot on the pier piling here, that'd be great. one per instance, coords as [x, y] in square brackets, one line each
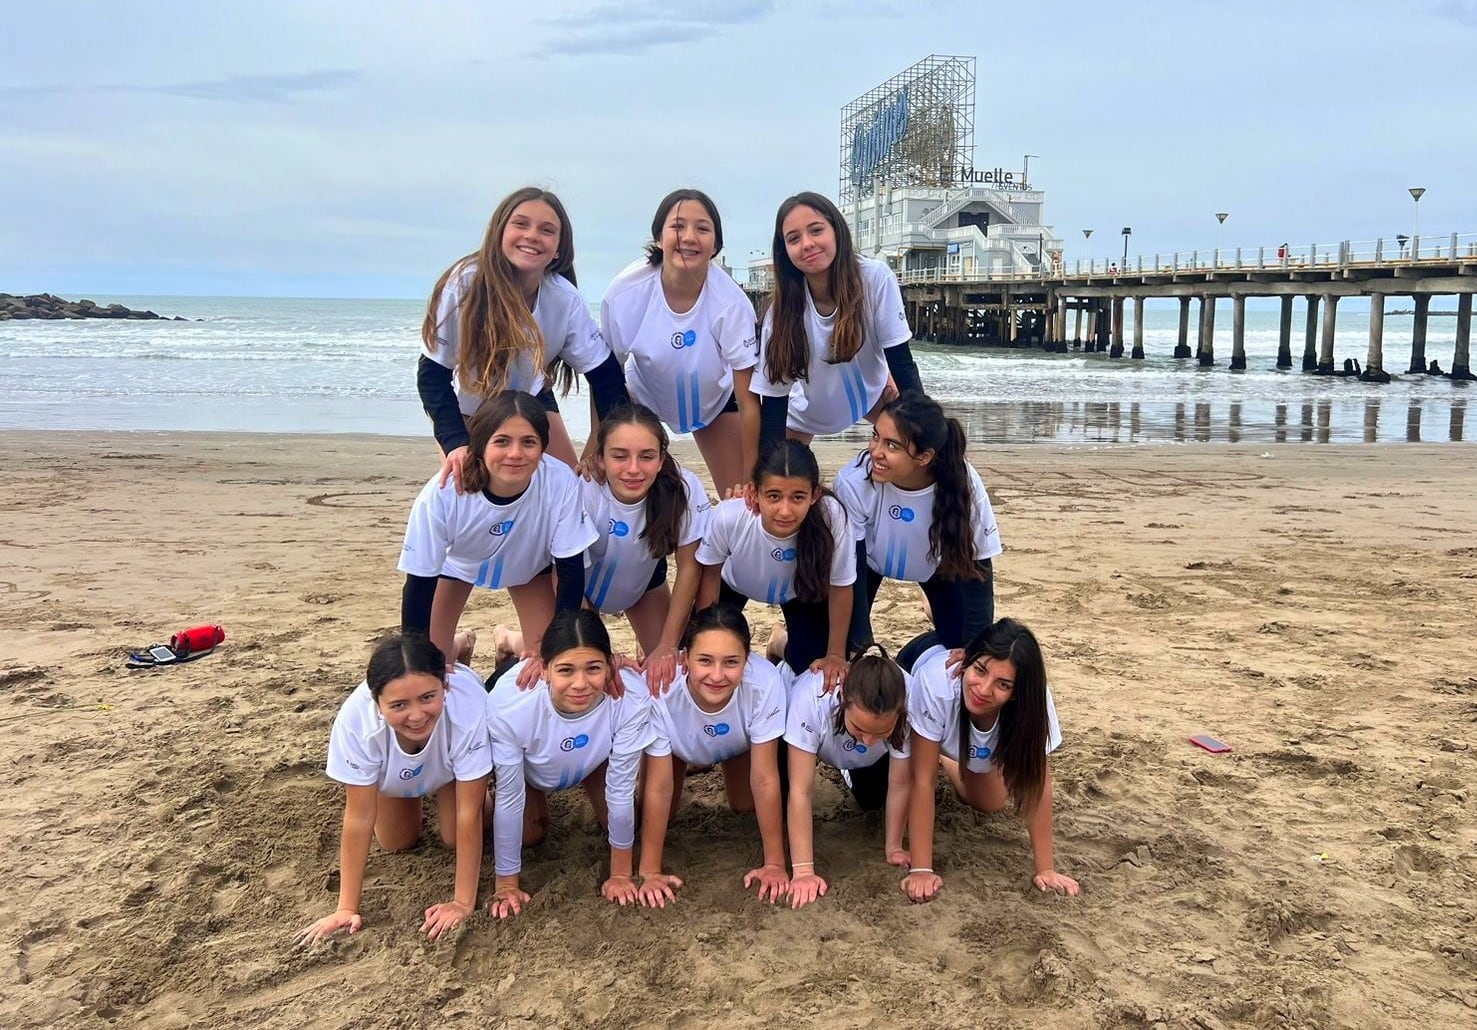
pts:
[1116, 350]
[1182, 348]
[1284, 335]
[1418, 334]
[1077, 332]
[1374, 361]
[1330, 322]
[1138, 327]
[1310, 341]
[1461, 360]
[1238, 331]
[1207, 331]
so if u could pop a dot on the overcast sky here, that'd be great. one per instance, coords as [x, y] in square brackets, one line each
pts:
[354, 149]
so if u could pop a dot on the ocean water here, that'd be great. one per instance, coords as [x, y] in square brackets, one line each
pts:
[348, 366]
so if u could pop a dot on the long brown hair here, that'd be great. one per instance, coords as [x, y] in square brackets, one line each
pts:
[1021, 749]
[667, 500]
[787, 357]
[875, 684]
[494, 321]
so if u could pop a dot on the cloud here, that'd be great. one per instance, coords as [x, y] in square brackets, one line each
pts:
[632, 28]
[248, 89]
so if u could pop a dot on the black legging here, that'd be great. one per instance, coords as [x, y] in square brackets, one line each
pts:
[914, 648]
[962, 608]
[807, 627]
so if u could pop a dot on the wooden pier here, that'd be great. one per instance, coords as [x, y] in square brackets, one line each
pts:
[956, 307]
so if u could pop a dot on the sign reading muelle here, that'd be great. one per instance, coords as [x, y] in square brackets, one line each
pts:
[991, 176]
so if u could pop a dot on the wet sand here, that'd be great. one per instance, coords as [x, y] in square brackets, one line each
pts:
[168, 831]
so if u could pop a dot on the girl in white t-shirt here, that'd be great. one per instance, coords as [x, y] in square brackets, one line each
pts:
[834, 331]
[510, 317]
[644, 507]
[685, 333]
[409, 731]
[519, 524]
[992, 730]
[568, 731]
[859, 731]
[920, 514]
[727, 708]
[794, 551]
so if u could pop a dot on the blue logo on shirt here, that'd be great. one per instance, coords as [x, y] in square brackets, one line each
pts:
[900, 513]
[716, 729]
[979, 752]
[500, 528]
[680, 340]
[852, 744]
[783, 554]
[571, 743]
[619, 528]
[410, 774]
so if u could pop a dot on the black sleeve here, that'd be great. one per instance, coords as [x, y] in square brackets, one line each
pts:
[860, 633]
[433, 383]
[415, 604]
[569, 574]
[607, 386]
[903, 368]
[774, 414]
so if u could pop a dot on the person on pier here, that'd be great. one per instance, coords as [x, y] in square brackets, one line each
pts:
[410, 730]
[920, 513]
[510, 317]
[583, 725]
[834, 344]
[685, 332]
[520, 527]
[991, 723]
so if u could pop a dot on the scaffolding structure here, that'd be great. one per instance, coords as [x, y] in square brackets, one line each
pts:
[915, 129]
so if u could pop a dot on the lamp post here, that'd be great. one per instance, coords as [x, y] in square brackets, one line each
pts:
[1416, 192]
[1127, 232]
[1026, 172]
[1220, 241]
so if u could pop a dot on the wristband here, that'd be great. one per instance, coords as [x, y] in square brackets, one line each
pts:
[797, 865]
[920, 869]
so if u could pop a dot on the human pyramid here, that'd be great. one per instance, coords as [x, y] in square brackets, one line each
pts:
[573, 538]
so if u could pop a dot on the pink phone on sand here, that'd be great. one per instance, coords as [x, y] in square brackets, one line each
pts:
[1209, 743]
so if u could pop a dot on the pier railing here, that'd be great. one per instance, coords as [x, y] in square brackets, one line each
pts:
[1394, 252]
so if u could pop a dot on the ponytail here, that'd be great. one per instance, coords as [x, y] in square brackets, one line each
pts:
[875, 684]
[921, 422]
[815, 541]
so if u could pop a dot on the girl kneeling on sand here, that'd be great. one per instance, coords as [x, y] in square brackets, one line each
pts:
[992, 731]
[920, 513]
[727, 708]
[566, 732]
[795, 551]
[411, 729]
[509, 317]
[519, 525]
[644, 507]
[855, 731]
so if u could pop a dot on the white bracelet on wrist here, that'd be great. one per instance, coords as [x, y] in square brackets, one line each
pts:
[919, 869]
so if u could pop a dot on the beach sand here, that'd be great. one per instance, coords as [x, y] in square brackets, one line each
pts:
[168, 831]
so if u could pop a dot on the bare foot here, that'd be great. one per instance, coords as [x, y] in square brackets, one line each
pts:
[465, 644]
[778, 638]
[506, 643]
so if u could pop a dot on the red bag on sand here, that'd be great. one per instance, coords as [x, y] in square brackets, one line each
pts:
[197, 638]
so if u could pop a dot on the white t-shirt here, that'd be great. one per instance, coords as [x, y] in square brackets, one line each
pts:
[933, 713]
[895, 523]
[467, 537]
[679, 366]
[561, 316]
[811, 724]
[363, 749]
[621, 563]
[755, 714]
[761, 566]
[838, 396]
[534, 743]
